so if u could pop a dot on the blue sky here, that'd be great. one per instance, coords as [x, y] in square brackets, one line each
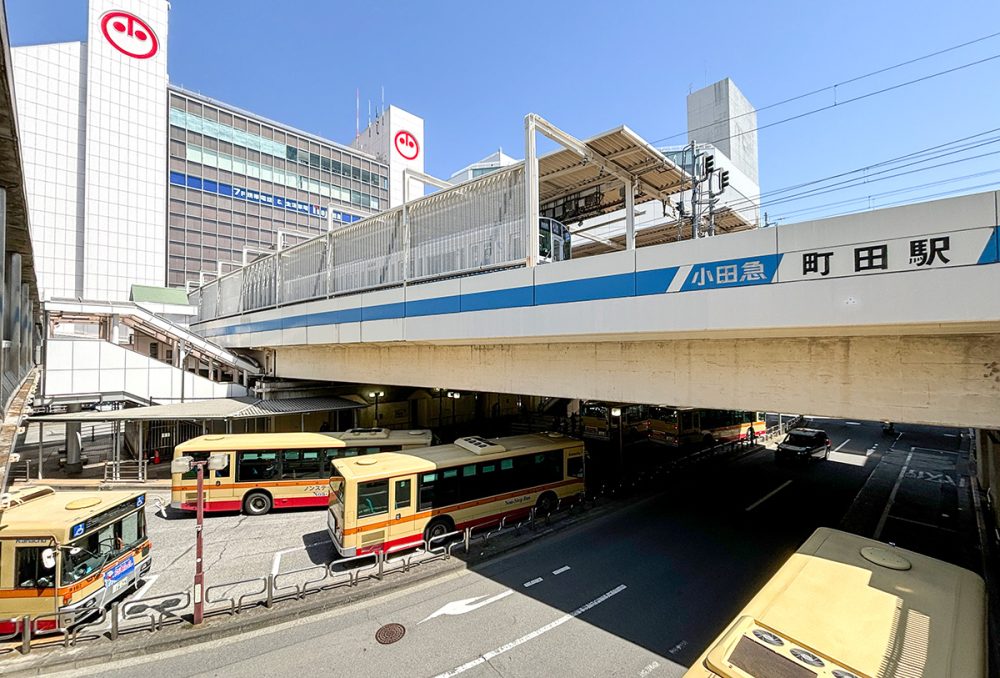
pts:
[473, 69]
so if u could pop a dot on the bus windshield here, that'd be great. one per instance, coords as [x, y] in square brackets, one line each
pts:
[336, 488]
[89, 553]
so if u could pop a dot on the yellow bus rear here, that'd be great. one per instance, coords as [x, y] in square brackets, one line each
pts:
[64, 554]
[394, 499]
[277, 470]
[848, 607]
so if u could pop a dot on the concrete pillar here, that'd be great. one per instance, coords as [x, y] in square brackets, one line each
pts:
[13, 322]
[3, 295]
[26, 322]
[74, 443]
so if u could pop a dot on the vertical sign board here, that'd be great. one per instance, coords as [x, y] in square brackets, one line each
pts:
[126, 147]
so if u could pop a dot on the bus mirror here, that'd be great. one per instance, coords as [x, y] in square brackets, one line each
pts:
[181, 465]
[217, 462]
[49, 559]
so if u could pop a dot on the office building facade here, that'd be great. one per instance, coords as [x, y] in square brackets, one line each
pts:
[131, 180]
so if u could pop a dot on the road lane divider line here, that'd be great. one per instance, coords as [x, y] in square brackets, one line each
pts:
[276, 562]
[892, 495]
[853, 423]
[837, 448]
[483, 658]
[564, 568]
[536, 580]
[767, 496]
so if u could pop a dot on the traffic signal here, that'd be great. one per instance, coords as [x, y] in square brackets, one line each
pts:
[723, 179]
[709, 164]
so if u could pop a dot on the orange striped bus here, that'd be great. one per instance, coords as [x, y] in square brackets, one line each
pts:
[64, 554]
[277, 470]
[389, 500]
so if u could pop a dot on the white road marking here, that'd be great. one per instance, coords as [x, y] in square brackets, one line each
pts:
[562, 569]
[892, 495]
[837, 448]
[276, 563]
[767, 496]
[537, 580]
[467, 605]
[150, 580]
[949, 435]
[853, 423]
[648, 669]
[534, 634]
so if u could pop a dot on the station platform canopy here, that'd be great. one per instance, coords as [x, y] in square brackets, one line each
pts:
[208, 410]
[564, 176]
[727, 220]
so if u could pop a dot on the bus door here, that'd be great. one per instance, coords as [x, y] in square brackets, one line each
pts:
[220, 484]
[373, 512]
[403, 506]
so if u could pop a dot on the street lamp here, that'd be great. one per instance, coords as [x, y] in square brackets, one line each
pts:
[616, 413]
[376, 395]
[454, 395]
[215, 462]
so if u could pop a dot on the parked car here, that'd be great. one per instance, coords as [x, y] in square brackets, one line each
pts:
[804, 443]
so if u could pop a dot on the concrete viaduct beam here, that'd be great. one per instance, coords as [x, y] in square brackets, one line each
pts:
[948, 379]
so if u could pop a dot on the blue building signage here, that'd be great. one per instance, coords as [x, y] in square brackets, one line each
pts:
[250, 195]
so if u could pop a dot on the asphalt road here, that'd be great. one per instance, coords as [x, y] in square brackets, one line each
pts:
[637, 592]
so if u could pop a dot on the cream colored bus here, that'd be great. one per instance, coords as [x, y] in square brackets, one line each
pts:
[65, 552]
[277, 470]
[848, 607]
[391, 499]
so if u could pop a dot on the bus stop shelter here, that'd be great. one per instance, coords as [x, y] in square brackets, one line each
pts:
[151, 433]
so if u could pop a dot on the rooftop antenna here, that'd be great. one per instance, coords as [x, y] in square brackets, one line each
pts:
[357, 112]
[383, 100]
[369, 112]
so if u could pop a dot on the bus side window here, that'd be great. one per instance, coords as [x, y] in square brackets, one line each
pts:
[574, 467]
[373, 498]
[29, 572]
[301, 464]
[428, 482]
[256, 466]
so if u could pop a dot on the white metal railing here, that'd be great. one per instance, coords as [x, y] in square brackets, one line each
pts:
[474, 226]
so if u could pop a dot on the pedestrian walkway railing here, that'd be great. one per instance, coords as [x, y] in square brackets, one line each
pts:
[125, 471]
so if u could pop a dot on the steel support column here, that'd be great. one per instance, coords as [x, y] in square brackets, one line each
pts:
[630, 215]
[530, 191]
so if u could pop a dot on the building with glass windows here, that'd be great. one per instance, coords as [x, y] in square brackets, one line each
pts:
[237, 181]
[131, 180]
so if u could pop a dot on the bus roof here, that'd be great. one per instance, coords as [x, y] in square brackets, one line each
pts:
[429, 458]
[40, 510]
[257, 441]
[364, 436]
[869, 618]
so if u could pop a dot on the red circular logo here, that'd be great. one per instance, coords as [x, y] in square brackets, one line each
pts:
[129, 34]
[406, 144]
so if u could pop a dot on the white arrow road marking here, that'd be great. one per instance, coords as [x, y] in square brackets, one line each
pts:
[467, 605]
[534, 634]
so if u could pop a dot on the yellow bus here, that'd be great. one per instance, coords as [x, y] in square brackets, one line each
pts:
[681, 426]
[597, 420]
[68, 552]
[392, 499]
[848, 607]
[277, 470]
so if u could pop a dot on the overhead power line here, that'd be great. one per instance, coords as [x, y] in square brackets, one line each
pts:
[860, 97]
[835, 85]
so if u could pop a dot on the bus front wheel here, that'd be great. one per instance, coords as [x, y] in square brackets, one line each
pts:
[437, 528]
[256, 504]
[546, 504]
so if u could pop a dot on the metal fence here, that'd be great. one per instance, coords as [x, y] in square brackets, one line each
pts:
[152, 614]
[475, 226]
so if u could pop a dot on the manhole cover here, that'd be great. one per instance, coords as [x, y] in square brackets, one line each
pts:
[390, 633]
